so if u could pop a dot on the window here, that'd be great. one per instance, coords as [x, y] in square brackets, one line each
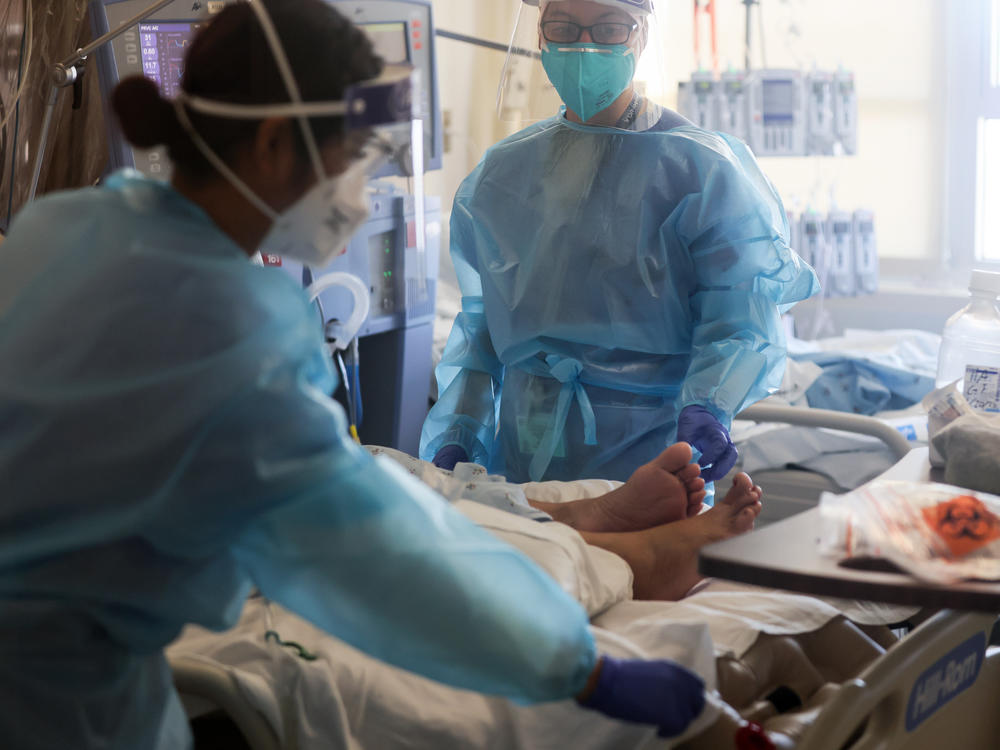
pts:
[988, 192]
[973, 204]
[988, 148]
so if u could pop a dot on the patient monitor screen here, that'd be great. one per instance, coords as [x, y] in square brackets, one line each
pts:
[389, 40]
[163, 48]
[165, 44]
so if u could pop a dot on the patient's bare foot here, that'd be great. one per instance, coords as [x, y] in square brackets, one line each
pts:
[666, 489]
[664, 559]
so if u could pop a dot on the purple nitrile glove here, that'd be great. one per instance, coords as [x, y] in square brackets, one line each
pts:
[449, 455]
[699, 427]
[659, 692]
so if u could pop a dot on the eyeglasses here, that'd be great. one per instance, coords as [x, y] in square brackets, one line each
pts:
[567, 32]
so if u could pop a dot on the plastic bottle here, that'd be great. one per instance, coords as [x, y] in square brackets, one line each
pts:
[970, 344]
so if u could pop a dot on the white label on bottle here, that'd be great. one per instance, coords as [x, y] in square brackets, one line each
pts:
[982, 388]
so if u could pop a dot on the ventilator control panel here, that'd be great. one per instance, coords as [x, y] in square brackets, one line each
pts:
[402, 31]
[383, 269]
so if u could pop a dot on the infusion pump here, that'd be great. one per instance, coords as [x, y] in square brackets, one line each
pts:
[777, 112]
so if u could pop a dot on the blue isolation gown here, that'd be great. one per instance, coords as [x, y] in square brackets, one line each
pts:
[609, 279]
[167, 442]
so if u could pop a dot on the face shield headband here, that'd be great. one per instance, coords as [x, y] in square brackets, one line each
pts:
[637, 8]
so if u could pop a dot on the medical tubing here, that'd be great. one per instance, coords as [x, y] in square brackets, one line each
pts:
[26, 50]
[697, 34]
[763, 41]
[307, 280]
[356, 382]
[342, 368]
[22, 76]
[715, 37]
[748, 33]
[362, 302]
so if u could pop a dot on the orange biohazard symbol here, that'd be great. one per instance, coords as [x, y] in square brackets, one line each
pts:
[964, 523]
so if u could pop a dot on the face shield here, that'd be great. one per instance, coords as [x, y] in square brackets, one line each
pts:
[378, 117]
[581, 53]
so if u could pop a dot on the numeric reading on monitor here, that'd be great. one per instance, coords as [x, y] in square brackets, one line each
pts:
[163, 48]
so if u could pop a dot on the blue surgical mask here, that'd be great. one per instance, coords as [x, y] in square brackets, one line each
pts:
[589, 77]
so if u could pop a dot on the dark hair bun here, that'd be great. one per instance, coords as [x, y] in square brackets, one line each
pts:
[147, 119]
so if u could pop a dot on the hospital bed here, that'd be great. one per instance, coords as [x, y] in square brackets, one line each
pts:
[868, 711]
[835, 686]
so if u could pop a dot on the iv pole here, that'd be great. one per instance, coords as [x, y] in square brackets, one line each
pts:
[746, 52]
[66, 73]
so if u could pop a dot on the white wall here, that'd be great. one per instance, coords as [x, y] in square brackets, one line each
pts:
[895, 48]
[468, 78]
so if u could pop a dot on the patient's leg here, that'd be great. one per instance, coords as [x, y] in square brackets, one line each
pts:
[664, 559]
[666, 489]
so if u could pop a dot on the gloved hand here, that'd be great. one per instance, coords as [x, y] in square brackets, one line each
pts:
[659, 692]
[699, 427]
[449, 455]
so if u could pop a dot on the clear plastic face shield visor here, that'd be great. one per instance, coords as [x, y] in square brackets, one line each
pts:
[379, 123]
[526, 94]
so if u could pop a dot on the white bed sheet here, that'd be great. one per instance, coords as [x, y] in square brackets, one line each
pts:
[347, 699]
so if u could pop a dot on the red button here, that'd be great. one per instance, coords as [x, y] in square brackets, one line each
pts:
[417, 24]
[417, 45]
[416, 34]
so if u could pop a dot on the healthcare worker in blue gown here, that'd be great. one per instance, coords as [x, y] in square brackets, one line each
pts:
[623, 276]
[167, 439]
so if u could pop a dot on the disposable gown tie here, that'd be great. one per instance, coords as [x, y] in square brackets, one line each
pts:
[567, 372]
[657, 260]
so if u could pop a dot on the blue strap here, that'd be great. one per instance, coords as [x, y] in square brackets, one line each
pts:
[566, 371]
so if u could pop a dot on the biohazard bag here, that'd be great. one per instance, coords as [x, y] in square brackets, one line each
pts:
[935, 531]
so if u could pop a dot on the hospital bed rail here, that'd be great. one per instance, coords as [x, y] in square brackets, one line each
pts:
[789, 490]
[903, 701]
[833, 420]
